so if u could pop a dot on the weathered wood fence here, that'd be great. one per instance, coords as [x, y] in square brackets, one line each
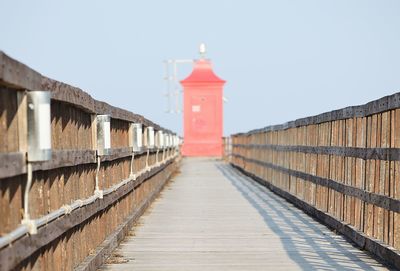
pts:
[76, 227]
[342, 167]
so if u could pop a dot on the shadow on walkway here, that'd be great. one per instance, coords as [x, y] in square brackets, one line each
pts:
[307, 242]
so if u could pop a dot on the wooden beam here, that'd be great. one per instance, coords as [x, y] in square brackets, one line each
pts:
[13, 164]
[379, 200]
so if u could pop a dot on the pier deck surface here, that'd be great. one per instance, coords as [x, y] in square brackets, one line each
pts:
[211, 217]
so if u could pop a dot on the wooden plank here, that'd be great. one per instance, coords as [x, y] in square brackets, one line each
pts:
[333, 169]
[8, 120]
[384, 182]
[360, 173]
[321, 169]
[15, 74]
[396, 185]
[12, 164]
[340, 171]
[348, 173]
[22, 122]
[370, 176]
[10, 200]
[378, 212]
[327, 161]
[392, 178]
[353, 181]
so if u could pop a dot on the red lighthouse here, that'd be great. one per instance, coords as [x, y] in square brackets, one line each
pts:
[202, 111]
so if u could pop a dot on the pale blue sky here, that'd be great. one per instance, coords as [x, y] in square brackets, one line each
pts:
[283, 59]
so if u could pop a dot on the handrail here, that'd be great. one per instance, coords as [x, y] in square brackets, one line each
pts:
[383, 104]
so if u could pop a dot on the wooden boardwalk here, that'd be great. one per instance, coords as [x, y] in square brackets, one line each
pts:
[210, 217]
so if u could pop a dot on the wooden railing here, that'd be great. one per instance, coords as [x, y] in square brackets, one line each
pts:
[342, 167]
[71, 225]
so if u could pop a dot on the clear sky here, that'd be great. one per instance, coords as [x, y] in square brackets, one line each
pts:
[283, 59]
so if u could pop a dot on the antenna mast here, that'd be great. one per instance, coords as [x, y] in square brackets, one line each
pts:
[172, 84]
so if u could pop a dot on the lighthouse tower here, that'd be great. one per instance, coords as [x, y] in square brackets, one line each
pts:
[202, 110]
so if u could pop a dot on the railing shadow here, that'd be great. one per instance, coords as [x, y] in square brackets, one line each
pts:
[308, 243]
